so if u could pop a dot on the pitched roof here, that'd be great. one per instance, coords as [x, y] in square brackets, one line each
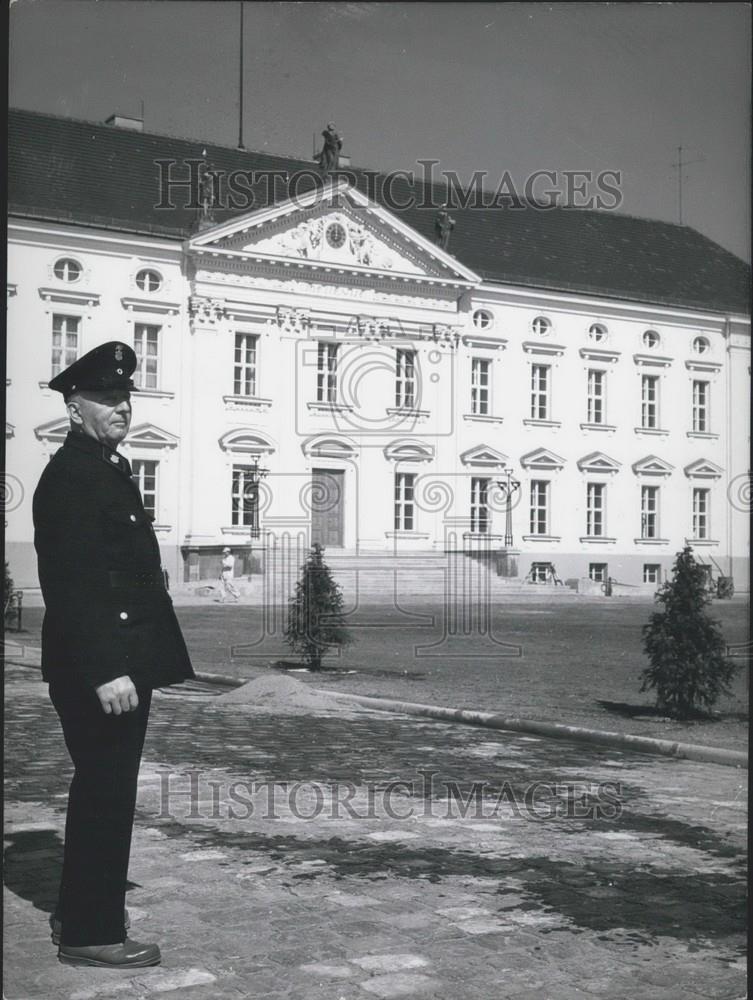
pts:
[73, 171]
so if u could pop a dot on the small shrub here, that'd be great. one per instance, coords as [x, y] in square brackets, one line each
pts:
[688, 667]
[315, 618]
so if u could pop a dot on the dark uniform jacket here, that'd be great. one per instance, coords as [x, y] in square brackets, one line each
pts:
[108, 612]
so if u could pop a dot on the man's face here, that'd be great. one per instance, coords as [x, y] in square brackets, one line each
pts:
[104, 414]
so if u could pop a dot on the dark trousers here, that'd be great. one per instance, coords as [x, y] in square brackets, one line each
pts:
[106, 752]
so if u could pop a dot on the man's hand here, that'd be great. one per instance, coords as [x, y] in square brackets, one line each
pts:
[118, 696]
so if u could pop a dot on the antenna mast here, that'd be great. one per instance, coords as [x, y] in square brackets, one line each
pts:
[679, 167]
[240, 85]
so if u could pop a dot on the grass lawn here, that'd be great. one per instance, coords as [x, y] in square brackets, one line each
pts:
[576, 662]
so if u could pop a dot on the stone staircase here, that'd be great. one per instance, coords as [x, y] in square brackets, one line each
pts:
[387, 577]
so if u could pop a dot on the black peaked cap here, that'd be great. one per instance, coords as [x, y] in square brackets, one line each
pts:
[108, 366]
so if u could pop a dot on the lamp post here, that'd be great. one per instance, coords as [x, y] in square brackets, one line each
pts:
[257, 473]
[508, 486]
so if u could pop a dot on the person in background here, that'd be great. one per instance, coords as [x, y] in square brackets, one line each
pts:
[226, 576]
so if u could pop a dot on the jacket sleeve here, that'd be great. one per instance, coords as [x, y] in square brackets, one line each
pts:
[82, 634]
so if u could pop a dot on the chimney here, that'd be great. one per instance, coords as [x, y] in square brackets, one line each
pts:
[126, 121]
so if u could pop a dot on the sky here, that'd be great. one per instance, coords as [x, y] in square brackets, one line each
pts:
[514, 88]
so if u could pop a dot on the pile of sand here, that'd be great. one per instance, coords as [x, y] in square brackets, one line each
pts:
[281, 695]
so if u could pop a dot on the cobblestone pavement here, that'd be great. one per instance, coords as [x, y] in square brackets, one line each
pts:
[575, 872]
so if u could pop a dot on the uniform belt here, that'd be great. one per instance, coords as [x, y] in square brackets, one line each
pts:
[152, 580]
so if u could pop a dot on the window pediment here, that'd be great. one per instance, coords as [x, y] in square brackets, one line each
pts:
[652, 465]
[54, 431]
[409, 451]
[71, 296]
[328, 446]
[702, 468]
[598, 462]
[135, 304]
[150, 436]
[484, 457]
[542, 458]
[543, 347]
[246, 441]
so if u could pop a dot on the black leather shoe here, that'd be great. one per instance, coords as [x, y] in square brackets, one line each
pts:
[56, 925]
[128, 955]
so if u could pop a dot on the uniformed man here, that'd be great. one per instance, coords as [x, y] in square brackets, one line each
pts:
[109, 637]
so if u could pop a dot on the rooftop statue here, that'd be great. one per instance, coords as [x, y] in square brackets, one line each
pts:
[329, 155]
[443, 226]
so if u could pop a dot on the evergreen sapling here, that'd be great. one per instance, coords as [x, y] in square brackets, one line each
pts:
[688, 665]
[315, 612]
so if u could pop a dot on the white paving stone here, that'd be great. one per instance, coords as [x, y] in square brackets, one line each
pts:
[390, 962]
[482, 926]
[209, 855]
[399, 984]
[463, 912]
[176, 979]
[387, 836]
[351, 899]
[331, 971]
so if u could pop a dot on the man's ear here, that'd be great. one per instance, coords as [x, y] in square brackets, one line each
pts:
[73, 405]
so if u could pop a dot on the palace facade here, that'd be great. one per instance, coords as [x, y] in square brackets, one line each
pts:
[318, 368]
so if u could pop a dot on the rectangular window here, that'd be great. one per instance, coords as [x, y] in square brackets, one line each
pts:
[539, 507]
[244, 372]
[596, 396]
[146, 340]
[595, 504]
[701, 512]
[145, 474]
[540, 572]
[539, 392]
[404, 509]
[700, 406]
[649, 511]
[405, 378]
[598, 572]
[326, 372]
[651, 573]
[480, 369]
[479, 506]
[244, 497]
[649, 400]
[65, 331]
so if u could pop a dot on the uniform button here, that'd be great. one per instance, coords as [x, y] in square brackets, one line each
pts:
[133, 517]
[124, 616]
[114, 459]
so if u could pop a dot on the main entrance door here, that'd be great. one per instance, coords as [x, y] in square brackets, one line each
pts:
[327, 498]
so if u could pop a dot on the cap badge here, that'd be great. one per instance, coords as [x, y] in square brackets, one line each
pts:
[119, 353]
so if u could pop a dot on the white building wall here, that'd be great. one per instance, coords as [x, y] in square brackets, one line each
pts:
[193, 415]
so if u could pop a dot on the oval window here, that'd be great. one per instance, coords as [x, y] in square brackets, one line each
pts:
[149, 280]
[67, 269]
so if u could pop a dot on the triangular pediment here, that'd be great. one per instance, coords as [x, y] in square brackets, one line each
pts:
[484, 456]
[652, 465]
[542, 458]
[702, 468]
[54, 430]
[334, 228]
[598, 462]
[150, 436]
